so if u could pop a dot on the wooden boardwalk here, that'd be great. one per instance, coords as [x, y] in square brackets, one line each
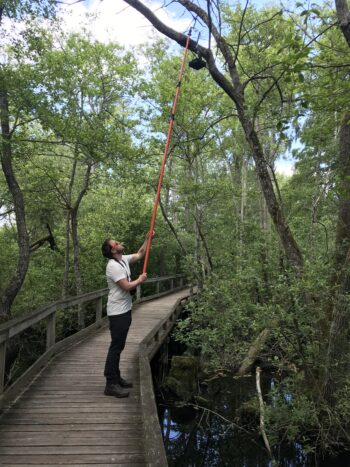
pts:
[63, 418]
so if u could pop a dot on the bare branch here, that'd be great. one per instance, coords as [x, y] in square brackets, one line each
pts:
[172, 228]
[240, 30]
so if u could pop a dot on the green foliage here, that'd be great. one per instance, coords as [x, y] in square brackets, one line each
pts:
[290, 414]
[17, 9]
[43, 283]
[223, 322]
[8, 253]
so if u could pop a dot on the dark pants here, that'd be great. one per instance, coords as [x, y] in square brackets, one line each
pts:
[119, 326]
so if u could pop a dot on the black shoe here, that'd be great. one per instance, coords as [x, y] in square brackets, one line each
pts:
[124, 384]
[115, 390]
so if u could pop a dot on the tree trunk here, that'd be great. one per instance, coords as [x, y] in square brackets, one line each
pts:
[15, 283]
[337, 363]
[343, 224]
[242, 209]
[205, 244]
[76, 260]
[76, 254]
[233, 170]
[68, 202]
[264, 248]
[75, 241]
[172, 228]
[338, 354]
[343, 18]
[65, 284]
[254, 351]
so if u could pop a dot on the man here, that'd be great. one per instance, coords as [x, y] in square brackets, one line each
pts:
[119, 306]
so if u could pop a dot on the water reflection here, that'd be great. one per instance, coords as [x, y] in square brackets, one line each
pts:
[220, 425]
[222, 431]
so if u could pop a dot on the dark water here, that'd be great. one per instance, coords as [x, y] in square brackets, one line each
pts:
[215, 434]
[221, 429]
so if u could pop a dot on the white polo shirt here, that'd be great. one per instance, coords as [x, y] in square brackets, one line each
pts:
[119, 300]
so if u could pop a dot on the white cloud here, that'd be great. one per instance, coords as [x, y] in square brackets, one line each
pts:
[114, 20]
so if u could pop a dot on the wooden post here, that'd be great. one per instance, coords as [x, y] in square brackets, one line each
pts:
[138, 292]
[181, 281]
[171, 284]
[81, 316]
[158, 287]
[2, 366]
[98, 309]
[50, 331]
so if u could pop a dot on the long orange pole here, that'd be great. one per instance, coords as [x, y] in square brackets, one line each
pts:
[161, 174]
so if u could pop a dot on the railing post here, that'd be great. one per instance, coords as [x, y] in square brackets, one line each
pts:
[81, 317]
[138, 292]
[171, 284]
[2, 366]
[181, 281]
[158, 287]
[51, 331]
[98, 309]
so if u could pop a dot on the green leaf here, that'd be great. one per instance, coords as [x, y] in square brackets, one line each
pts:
[315, 11]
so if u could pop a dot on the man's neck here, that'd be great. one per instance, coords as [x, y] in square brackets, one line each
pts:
[117, 256]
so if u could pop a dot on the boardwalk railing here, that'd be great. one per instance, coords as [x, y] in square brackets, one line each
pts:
[13, 327]
[152, 435]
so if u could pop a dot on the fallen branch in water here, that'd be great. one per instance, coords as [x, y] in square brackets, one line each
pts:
[254, 351]
[262, 412]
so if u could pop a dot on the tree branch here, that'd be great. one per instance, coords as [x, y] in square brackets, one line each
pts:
[167, 220]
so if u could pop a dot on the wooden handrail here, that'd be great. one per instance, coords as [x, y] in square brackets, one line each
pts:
[152, 435]
[17, 325]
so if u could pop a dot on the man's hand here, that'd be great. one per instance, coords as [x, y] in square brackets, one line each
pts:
[142, 277]
[142, 250]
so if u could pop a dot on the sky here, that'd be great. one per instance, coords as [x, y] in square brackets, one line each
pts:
[118, 21]
[114, 20]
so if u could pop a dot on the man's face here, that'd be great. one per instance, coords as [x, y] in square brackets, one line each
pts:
[116, 247]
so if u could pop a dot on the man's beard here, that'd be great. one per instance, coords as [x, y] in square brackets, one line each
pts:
[120, 249]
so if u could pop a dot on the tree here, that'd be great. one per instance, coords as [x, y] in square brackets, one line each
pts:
[235, 89]
[338, 355]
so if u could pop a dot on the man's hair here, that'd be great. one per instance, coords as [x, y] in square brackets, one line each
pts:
[107, 249]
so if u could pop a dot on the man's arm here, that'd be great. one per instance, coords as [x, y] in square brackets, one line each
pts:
[142, 250]
[127, 286]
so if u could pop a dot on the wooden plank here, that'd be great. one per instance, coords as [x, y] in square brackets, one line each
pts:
[96, 464]
[74, 427]
[63, 450]
[57, 439]
[92, 419]
[72, 459]
[113, 434]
